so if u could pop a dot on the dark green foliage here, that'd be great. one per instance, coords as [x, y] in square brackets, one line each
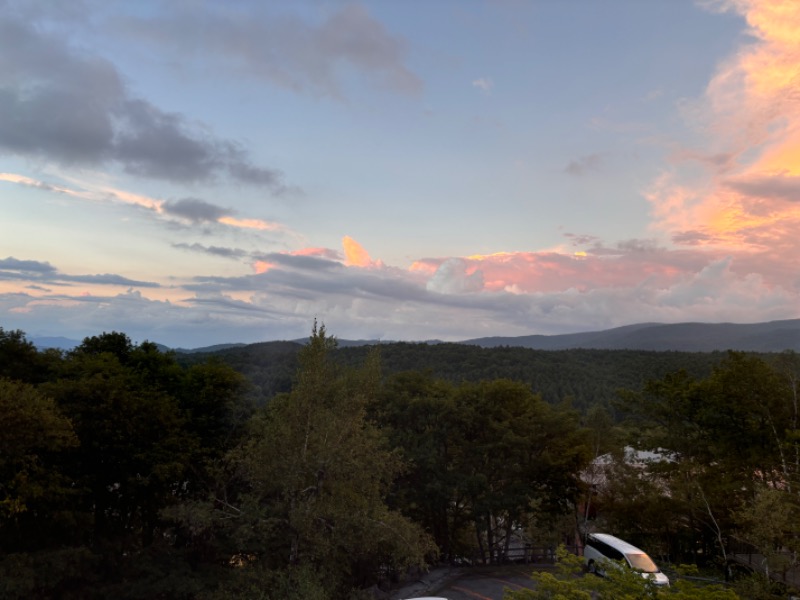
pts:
[306, 488]
[570, 582]
[269, 367]
[113, 435]
[20, 361]
[34, 434]
[130, 472]
[481, 455]
[729, 481]
[587, 377]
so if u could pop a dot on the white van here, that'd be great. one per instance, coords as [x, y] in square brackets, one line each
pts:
[602, 547]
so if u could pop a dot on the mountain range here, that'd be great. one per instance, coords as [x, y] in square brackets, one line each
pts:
[772, 336]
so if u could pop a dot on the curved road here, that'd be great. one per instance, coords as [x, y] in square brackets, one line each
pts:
[480, 584]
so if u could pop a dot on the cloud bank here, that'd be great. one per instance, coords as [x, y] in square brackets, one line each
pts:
[74, 109]
[722, 244]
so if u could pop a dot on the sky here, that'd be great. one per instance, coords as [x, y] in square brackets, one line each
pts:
[194, 172]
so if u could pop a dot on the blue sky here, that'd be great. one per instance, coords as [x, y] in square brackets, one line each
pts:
[195, 172]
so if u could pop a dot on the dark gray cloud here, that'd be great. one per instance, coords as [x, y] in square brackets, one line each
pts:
[74, 109]
[108, 279]
[285, 50]
[299, 261]
[778, 187]
[580, 166]
[213, 250]
[26, 266]
[310, 279]
[195, 210]
[44, 272]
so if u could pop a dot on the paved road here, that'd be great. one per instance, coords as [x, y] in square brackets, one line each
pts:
[487, 584]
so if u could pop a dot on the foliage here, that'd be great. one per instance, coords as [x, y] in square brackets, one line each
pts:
[20, 361]
[568, 582]
[305, 472]
[306, 488]
[482, 456]
[587, 377]
[34, 432]
[728, 470]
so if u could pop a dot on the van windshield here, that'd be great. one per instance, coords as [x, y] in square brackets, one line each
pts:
[642, 562]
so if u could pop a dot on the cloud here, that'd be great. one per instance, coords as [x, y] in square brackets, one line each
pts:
[355, 255]
[454, 277]
[258, 224]
[108, 279]
[300, 261]
[484, 84]
[74, 109]
[26, 266]
[283, 49]
[780, 186]
[745, 198]
[522, 293]
[36, 271]
[194, 210]
[213, 250]
[33, 183]
[582, 165]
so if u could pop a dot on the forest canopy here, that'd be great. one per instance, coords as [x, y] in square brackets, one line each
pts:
[312, 471]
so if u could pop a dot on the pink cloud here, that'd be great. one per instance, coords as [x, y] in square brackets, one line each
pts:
[746, 200]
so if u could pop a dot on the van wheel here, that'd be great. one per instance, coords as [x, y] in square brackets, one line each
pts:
[592, 567]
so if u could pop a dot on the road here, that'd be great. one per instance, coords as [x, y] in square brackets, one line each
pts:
[487, 584]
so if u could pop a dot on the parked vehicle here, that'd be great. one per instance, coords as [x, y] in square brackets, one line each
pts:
[602, 549]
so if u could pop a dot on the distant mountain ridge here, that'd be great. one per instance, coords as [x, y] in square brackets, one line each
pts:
[773, 336]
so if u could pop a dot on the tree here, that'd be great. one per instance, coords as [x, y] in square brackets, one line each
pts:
[132, 444]
[728, 451]
[518, 452]
[20, 361]
[314, 477]
[32, 434]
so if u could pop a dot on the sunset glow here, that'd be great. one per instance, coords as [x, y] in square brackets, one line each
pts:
[355, 255]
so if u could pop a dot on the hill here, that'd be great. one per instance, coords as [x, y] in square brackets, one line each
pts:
[773, 336]
[585, 376]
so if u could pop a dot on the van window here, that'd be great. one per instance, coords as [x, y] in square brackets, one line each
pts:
[605, 549]
[642, 562]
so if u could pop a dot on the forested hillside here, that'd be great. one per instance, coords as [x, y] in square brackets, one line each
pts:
[586, 377]
[772, 336]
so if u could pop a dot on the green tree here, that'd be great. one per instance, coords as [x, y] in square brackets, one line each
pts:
[723, 440]
[518, 451]
[32, 434]
[131, 443]
[315, 473]
[20, 361]
[421, 419]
